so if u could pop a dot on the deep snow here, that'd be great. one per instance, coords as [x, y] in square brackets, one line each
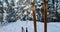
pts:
[16, 27]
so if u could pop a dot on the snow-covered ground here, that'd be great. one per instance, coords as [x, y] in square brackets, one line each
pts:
[16, 27]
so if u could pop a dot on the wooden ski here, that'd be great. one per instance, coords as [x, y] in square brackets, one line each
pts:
[45, 16]
[34, 15]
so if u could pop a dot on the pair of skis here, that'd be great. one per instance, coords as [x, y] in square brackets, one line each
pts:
[45, 15]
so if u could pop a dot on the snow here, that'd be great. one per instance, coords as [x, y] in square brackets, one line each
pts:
[16, 27]
[53, 27]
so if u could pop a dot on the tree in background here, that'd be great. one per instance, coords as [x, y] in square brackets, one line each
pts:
[1, 11]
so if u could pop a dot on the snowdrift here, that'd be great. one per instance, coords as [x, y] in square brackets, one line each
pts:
[16, 27]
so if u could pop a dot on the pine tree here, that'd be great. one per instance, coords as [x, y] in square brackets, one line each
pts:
[1, 12]
[11, 17]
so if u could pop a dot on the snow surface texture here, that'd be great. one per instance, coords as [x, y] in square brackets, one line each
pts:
[16, 27]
